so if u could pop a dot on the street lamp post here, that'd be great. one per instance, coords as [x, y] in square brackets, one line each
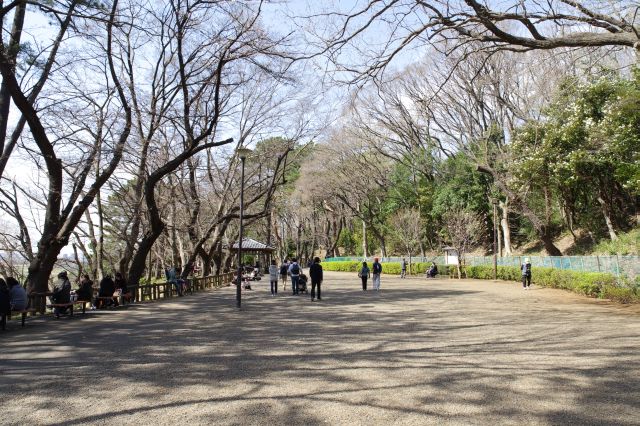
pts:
[495, 238]
[242, 153]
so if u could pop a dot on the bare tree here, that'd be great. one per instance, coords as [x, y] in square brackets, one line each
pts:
[356, 180]
[200, 66]
[462, 229]
[408, 227]
[450, 25]
[63, 215]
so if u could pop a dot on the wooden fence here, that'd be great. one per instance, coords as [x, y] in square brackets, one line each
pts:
[165, 290]
[146, 292]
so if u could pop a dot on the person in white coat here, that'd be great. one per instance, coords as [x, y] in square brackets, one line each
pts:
[273, 277]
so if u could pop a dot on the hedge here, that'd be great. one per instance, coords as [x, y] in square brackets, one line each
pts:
[392, 268]
[594, 284]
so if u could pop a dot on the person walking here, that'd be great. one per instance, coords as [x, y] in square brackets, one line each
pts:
[284, 271]
[403, 268]
[294, 272]
[273, 277]
[315, 272]
[377, 270]
[525, 268]
[364, 275]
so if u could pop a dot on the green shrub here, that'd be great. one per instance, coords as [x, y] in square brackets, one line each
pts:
[621, 294]
[342, 266]
[594, 284]
[485, 272]
[390, 268]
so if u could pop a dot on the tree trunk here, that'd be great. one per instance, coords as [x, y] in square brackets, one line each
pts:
[607, 218]
[541, 227]
[547, 240]
[504, 224]
[42, 265]
[380, 237]
[365, 245]
[269, 226]
[333, 249]
[13, 47]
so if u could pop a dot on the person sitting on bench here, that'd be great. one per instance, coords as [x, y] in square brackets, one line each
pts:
[85, 289]
[61, 293]
[433, 270]
[172, 278]
[5, 298]
[17, 294]
[121, 284]
[107, 288]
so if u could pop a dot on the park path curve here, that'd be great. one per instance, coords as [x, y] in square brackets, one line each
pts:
[418, 352]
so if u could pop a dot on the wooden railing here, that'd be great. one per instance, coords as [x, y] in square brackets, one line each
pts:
[165, 290]
[154, 291]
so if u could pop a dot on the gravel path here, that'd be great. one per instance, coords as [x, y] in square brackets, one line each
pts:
[418, 352]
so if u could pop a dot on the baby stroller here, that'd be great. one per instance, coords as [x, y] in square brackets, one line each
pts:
[302, 283]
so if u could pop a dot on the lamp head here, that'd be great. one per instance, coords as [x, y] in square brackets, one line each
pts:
[243, 152]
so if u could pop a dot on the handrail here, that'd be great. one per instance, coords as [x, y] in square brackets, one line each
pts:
[165, 290]
[153, 291]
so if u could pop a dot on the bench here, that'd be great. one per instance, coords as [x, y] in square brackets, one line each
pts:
[84, 304]
[70, 305]
[127, 297]
[439, 277]
[23, 313]
[63, 305]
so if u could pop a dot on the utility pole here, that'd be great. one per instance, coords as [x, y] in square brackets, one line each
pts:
[495, 238]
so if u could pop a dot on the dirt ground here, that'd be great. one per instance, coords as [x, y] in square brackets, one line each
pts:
[417, 352]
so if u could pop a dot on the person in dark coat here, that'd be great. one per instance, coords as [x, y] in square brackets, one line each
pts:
[85, 289]
[107, 288]
[525, 268]
[315, 272]
[61, 293]
[433, 270]
[377, 270]
[121, 285]
[5, 304]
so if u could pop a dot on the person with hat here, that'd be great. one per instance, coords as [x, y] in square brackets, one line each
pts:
[525, 268]
[61, 293]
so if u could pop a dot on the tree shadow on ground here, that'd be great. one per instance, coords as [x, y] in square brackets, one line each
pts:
[407, 354]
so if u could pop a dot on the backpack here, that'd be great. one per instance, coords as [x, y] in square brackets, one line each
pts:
[364, 272]
[295, 269]
[377, 268]
[283, 270]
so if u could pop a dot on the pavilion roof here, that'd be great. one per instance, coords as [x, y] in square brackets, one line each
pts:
[249, 244]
